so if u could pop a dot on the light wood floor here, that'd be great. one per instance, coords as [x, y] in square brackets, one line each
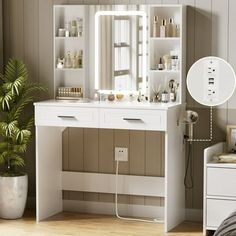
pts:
[86, 225]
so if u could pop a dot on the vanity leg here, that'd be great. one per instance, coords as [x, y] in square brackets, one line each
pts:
[48, 171]
[174, 172]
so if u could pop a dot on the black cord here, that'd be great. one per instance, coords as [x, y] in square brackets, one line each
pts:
[189, 168]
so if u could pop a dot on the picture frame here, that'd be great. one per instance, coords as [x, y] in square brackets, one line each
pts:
[231, 138]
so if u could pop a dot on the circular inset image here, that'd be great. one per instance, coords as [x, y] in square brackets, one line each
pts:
[211, 81]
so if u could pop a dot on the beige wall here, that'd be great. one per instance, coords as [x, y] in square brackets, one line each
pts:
[210, 25]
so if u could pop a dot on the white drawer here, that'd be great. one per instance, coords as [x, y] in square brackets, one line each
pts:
[221, 182]
[66, 116]
[218, 210]
[133, 119]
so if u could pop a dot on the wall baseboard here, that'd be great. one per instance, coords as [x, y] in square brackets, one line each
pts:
[194, 215]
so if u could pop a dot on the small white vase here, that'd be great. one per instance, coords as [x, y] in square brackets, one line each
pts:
[13, 195]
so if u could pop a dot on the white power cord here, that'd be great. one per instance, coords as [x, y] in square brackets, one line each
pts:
[116, 203]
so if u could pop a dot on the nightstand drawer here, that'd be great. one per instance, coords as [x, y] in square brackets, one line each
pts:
[218, 210]
[221, 182]
[133, 119]
[66, 116]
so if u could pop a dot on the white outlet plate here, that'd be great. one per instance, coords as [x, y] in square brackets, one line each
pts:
[211, 78]
[121, 154]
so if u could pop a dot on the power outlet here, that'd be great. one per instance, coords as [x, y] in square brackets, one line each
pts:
[121, 154]
[211, 79]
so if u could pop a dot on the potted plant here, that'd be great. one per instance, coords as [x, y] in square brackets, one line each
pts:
[16, 93]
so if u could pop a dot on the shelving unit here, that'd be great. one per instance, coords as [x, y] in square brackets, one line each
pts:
[70, 77]
[158, 47]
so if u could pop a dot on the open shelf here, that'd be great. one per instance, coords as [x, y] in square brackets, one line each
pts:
[68, 38]
[69, 69]
[165, 71]
[165, 39]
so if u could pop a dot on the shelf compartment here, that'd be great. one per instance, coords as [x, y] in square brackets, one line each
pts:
[69, 69]
[165, 39]
[165, 71]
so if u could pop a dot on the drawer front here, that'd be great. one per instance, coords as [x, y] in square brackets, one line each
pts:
[66, 116]
[133, 119]
[221, 182]
[218, 210]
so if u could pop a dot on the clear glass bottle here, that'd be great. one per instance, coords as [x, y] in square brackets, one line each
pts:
[164, 96]
[80, 59]
[67, 29]
[73, 28]
[74, 61]
[79, 27]
[68, 61]
[177, 31]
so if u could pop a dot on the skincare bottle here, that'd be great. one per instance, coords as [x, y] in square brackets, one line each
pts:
[155, 32]
[73, 28]
[170, 28]
[160, 65]
[177, 31]
[174, 60]
[68, 62]
[74, 61]
[80, 59]
[163, 29]
[67, 29]
[79, 27]
[167, 62]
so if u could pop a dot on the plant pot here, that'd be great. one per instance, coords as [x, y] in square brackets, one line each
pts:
[13, 195]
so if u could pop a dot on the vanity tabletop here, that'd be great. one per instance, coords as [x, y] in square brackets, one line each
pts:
[103, 104]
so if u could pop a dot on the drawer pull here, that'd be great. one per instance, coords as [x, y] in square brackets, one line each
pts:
[66, 117]
[132, 119]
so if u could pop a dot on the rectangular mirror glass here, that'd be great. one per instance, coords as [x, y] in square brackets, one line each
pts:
[120, 48]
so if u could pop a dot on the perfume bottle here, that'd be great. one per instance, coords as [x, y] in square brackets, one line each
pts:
[73, 28]
[160, 65]
[74, 61]
[163, 29]
[68, 61]
[170, 28]
[80, 59]
[79, 27]
[155, 32]
[177, 31]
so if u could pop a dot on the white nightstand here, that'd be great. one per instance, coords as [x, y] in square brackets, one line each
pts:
[219, 189]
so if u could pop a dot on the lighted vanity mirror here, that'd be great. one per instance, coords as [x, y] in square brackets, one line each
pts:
[120, 48]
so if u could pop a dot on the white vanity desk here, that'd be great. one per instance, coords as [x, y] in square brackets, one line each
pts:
[52, 116]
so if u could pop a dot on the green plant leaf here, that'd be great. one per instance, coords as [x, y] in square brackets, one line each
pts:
[16, 93]
[16, 160]
[23, 135]
[14, 70]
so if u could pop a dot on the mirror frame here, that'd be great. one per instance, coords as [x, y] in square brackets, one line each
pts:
[144, 63]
